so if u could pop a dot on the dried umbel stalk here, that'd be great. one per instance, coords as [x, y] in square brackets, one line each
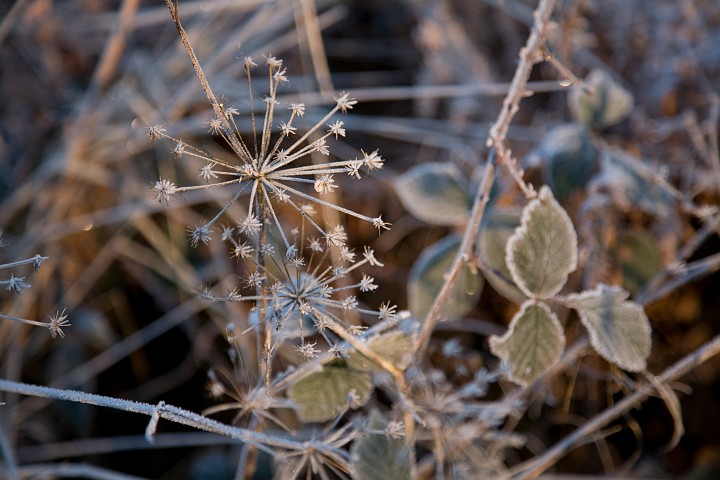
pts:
[271, 172]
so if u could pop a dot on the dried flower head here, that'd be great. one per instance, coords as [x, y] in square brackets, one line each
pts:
[268, 167]
[17, 284]
[305, 292]
[57, 323]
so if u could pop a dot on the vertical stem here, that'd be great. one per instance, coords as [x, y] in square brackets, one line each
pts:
[265, 364]
[248, 456]
[8, 455]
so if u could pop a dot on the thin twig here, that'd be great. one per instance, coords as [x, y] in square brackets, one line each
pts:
[539, 464]
[461, 258]
[382, 94]
[193, 59]
[112, 53]
[656, 288]
[216, 105]
[564, 71]
[35, 260]
[530, 54]
[167, 412]
[693, 271]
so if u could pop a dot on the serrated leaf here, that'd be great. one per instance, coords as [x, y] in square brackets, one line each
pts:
[427, 277]
[378, 456]
[542, 251]
[321, 395]
[568, 158]
[619, 329]
[497, 228]
[436, 193]
[396, 347]
[605, 102]
[533, 342]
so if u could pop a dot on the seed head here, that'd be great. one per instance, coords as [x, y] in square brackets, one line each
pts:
[164, 190]
[57, 323]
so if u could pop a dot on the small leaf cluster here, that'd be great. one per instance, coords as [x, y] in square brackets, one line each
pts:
[528, 256]
[540, 255]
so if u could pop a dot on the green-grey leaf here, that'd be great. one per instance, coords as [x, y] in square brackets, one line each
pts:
[377, 455]
[427, 277]
[632, 184]
[533, 343]
[436, 193]
[605, 102]
[619, 329]
[639, 258]
[396, 347]
[568, 158]
[497, 228]
[543, 249]
[321, 395]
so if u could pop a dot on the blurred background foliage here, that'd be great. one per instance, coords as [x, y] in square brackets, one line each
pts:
[81, 79]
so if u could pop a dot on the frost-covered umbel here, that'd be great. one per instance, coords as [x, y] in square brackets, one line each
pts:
[306, 291]
[271, 168]
[296, 285]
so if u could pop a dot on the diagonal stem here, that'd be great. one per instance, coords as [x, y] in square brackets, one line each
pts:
[534, 467]
[530, 54]
[461, 258]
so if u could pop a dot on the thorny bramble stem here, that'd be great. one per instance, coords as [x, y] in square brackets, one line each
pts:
[471, 229]
[530, 54]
